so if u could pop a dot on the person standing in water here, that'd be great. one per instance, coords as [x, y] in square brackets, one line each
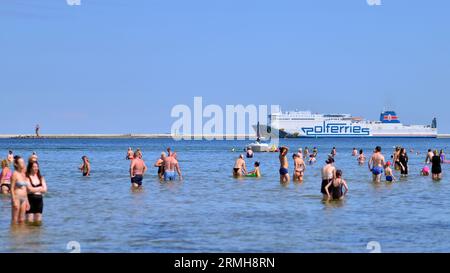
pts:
[328, 175]
[19, 191]
[171, 168]
[396, 159]
[10, 159]
[436, 168]
[442, 156]
[35, 199]
[160, 165]
[256, 172]
[5, 177]
[239, 168]
[137, 170]
[33, 157]
[403, 161]
[130, 154]
[284, 165]
[361, 157]
[299, 168]
[300, 153]
[354, 152]
[333, 152]
[376, 164]
[249, 152]
[336, 188]
[85, 167]
[389, 173]
[429, 156]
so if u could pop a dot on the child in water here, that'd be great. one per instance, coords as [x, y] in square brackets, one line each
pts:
[425, 171]
[388, 172]
[256, 172]
[337, 188]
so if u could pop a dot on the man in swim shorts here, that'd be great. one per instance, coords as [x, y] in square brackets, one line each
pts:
[284, 165]
[376, 164]
[171, 168]
[137, 170]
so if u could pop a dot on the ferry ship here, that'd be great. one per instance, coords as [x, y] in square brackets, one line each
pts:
[307, 124]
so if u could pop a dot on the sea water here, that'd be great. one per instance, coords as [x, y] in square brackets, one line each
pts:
[209, 211]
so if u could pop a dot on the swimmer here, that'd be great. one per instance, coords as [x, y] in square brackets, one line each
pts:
[315, 152]
[33, 157]
[436, 168]
[425, 171]
[160, 165]
[361, 157]
[429, 156]
[171, 168]
[442, 156]
[169, 151]
[137, 170]
[306, 152]
[328, 175]
[284, 165]
[10, 159]
[300, 153]
[388, 172]
[85, 167]
[334, 189]
[249, 152]
[256, 172]
[376, 164]
[403, 161]
[299, 168]
[354, 152]
[35, 199]
[130, 154]
[312, 159]
[20, 188]
[396, 159]
[5, 177]
[333, 152]
[239, 168]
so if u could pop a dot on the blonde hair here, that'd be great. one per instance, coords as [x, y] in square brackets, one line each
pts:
[5, 163]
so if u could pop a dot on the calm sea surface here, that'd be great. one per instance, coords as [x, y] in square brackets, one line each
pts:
[212, 212]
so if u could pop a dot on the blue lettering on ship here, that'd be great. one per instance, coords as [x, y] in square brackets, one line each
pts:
[336, 129]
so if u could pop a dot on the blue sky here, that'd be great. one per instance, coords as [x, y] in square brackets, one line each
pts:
[119, 66]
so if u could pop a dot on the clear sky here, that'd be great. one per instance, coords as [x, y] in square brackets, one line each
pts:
[119, 66]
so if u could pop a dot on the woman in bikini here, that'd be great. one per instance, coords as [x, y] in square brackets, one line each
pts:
[5, 178]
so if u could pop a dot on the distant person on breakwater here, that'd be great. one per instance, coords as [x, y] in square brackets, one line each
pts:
[35, 199]
[299, 168]
[137, 170]
[85, 167]
[361, 157]
[5, 177]
[436, 168]
[37, 130]
[328, 175]
[284, 165]
[172, 168]
[160, 165]
[239, 168]
[376, 164]
[130, 154]
[336, 188]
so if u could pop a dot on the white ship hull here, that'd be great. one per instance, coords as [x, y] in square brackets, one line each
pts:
[305, 124]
